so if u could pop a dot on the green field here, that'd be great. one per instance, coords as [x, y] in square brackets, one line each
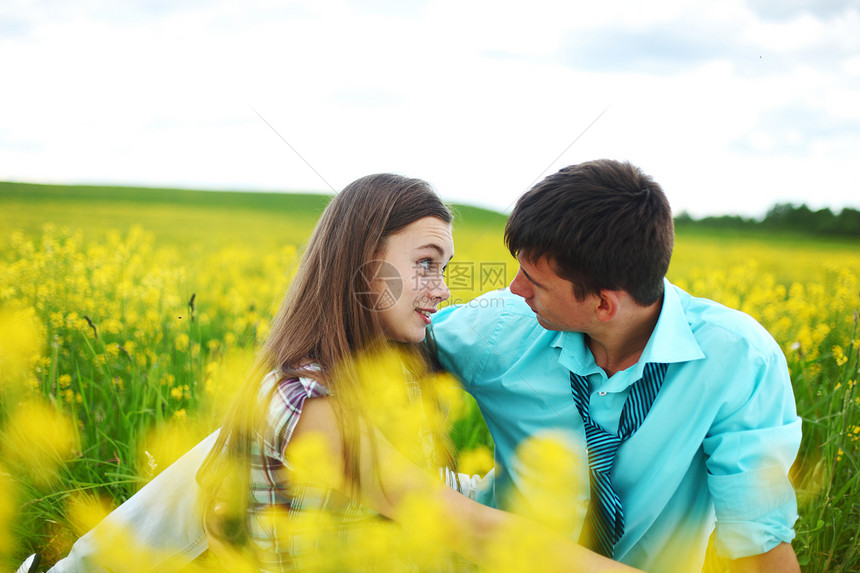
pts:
[135, 309]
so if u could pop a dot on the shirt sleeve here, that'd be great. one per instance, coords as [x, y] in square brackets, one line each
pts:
[283, 411]
[750, 447]
[475, 487]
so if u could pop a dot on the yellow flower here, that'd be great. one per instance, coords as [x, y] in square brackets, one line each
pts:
[36, 440]
[312, 462]
[478, 460]
[554, 465]
[64, 381]
[164, 444]
[426, 528]
[450, 395]
[839, 355]
[56, 320]
[85, 511]
[8, 507]
[21, 339]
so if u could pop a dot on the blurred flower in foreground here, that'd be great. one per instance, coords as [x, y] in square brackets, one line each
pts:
[223, 379]
[478, 460]
[36, 439]
[426, 531]
[398, 398]
[450, 396]
[166, 443]
[548, 492]
[7, 512]
[118, 550]
[21, 339]
[85, 511]
[312, 463]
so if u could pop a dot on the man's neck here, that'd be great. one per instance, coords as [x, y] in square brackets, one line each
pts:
[620, 343]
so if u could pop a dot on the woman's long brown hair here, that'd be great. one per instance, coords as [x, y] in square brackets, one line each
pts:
[325, 317]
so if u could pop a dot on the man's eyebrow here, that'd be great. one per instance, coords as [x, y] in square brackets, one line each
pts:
[528, 276]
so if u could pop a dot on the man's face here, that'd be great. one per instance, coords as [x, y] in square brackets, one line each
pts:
[552, 299]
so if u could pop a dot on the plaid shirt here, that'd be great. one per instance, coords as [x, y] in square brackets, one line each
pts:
[290, 525]
[306, 528]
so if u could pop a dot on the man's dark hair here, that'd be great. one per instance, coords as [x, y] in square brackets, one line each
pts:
[602, 225]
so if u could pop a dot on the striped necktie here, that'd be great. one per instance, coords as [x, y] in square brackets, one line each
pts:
[604, 520]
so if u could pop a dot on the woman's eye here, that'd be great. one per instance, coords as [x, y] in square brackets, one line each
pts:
[426, 264]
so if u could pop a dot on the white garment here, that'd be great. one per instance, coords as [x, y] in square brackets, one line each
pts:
[163, 518]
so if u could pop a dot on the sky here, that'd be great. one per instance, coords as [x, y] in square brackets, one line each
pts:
[732, 105]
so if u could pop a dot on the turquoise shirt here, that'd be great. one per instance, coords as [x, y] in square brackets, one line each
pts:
[716, 446]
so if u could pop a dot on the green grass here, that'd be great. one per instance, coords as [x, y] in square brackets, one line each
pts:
[174, 216]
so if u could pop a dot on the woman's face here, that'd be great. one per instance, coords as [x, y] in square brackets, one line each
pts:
[409, 283]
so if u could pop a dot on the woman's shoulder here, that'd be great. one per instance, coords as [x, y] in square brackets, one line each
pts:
[285, 398]
[299, 384]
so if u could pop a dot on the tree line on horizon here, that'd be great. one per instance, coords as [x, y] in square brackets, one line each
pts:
[786, 217]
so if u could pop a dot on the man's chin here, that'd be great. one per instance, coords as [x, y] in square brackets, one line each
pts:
[546, 325]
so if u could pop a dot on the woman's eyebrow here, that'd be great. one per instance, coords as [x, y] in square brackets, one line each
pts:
[433, 246]
[439, 250]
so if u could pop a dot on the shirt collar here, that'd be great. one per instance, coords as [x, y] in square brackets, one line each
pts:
[672, 341]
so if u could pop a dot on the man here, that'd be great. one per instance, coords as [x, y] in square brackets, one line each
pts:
[685, 406]
[588, 314]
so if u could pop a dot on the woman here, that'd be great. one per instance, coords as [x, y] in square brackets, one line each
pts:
[371, 278]
[372, 274]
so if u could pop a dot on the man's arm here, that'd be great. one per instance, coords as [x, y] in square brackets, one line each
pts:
[780, 559]
[752, 443]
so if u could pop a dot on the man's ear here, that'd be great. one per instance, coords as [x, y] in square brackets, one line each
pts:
[608, 303]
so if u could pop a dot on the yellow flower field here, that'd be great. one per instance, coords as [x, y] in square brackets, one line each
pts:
[119, 349]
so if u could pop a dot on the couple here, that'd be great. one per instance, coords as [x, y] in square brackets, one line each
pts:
[685, 407]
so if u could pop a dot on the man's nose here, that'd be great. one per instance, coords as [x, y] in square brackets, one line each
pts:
[520, 285]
